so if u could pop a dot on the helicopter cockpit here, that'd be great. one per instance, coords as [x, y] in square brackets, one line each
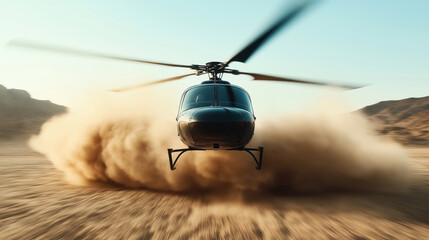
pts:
[215, 95]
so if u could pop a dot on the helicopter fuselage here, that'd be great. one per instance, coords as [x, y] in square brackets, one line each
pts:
[215, 115]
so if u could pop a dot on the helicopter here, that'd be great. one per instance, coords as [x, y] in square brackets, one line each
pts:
[215, 114]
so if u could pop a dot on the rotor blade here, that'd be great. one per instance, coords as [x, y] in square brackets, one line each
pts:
[257, 76]
[246, 52]
[46, 47]
[152, 83]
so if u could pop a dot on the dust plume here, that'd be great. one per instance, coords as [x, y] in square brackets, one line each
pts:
[122, 138]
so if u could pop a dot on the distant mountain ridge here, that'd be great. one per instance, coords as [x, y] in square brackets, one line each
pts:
[21, 115]
[406, 120]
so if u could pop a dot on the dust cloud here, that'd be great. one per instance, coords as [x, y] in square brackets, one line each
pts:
[123, 139]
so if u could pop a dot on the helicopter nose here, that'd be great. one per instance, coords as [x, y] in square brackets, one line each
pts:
[222, 114]
[219, 128]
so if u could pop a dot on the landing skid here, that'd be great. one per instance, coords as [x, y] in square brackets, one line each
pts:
[248, 150]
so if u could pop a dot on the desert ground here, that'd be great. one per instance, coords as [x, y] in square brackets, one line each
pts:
[37, 203]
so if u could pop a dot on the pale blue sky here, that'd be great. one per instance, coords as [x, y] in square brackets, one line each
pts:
[383, 43]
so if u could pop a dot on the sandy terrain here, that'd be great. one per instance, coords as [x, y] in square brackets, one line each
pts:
[36, 203]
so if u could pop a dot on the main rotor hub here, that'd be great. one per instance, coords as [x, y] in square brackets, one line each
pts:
[215, 70]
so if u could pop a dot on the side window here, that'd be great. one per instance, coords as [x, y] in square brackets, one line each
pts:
[198, 97]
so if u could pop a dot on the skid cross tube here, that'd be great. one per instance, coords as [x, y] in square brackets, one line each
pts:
[250, 151]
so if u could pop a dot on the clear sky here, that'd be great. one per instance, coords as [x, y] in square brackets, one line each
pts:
[382, 43]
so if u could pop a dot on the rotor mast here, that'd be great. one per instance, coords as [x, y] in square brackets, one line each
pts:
[215, 70]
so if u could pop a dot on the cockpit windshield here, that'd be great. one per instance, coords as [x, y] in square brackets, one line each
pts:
[216, 95]
[198, 97]
[229, 96]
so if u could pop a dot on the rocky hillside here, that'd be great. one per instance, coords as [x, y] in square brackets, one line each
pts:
[21, 115]
[407, 120]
